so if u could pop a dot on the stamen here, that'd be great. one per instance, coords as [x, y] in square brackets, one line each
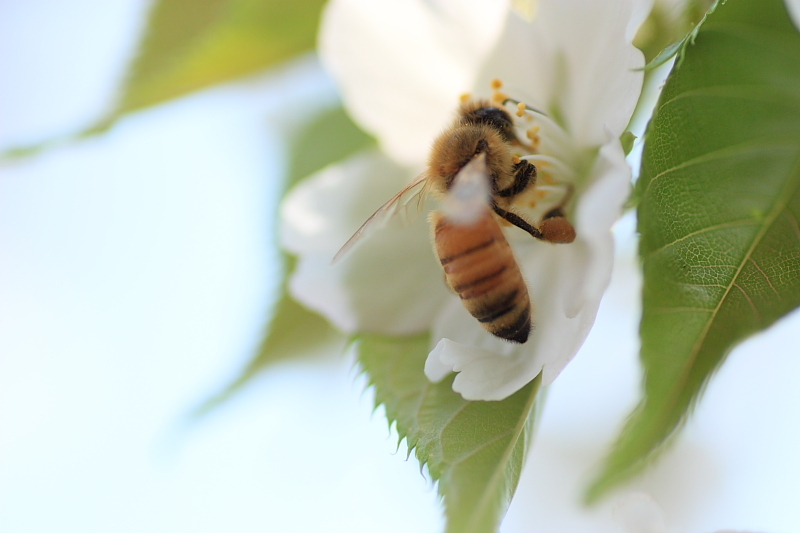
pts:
[465, 97]
[521, 109]
[516, 160]
[497, 84]
[543, 191]
[521, 105]
[533, 135]
[554, 128]
[499, 97]
[561, 167]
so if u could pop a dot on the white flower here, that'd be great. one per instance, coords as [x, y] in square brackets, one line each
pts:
[401, 67]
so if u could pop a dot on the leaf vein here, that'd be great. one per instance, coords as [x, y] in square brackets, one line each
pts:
[481, 446]
[769, 281]
[780, 205]
[733, 150]
[749, 300]
[517, 431]
[715, 227]
[680, 309]
[753, 93]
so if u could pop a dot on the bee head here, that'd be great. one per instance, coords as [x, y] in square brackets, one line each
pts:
[479, 112]
[456, 147]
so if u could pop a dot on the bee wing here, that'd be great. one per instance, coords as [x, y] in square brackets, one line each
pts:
[470, 194]
[416, 189]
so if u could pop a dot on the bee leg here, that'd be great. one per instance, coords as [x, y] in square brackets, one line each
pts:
[554, 226]
[524, 177]
[518, 221]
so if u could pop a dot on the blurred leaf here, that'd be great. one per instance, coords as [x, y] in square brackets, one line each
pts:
[719, 214]
[294, 331]
[192, 44]
[330, 138]
[474, 450]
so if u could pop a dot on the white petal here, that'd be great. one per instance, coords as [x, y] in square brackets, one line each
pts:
[402, 65]
[599, 208]
[390, 283]
[576, 62]
[526, 8]
[578, 274]
[793, 6]
[479, 375]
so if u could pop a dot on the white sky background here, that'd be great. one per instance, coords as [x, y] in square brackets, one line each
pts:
[135, 274]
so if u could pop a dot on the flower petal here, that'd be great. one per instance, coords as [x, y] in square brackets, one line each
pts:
[401, 66]
[576, 62]
[390, 283]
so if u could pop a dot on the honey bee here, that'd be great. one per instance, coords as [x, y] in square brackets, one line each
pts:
[473, 170]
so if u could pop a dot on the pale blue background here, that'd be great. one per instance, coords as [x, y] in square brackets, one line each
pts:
[135, 274]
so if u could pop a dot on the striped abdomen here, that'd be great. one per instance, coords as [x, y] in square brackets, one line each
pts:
[480, 267]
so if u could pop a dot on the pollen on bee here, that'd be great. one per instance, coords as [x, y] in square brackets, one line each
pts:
[465, 97]
[521, 109]
[516, 160]
[497, 84]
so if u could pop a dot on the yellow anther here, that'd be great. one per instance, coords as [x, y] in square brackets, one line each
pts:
[521, 109]
[541, 194]
[497, 84]
[516, 160]
[465, 97]
[533, 135]
[499, 97]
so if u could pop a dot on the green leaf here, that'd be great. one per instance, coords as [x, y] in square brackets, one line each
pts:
[627, 139]
[330, 138]
[719, 214]
[192, 44]
[694, 8]
[294, 331]
[474, 450]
